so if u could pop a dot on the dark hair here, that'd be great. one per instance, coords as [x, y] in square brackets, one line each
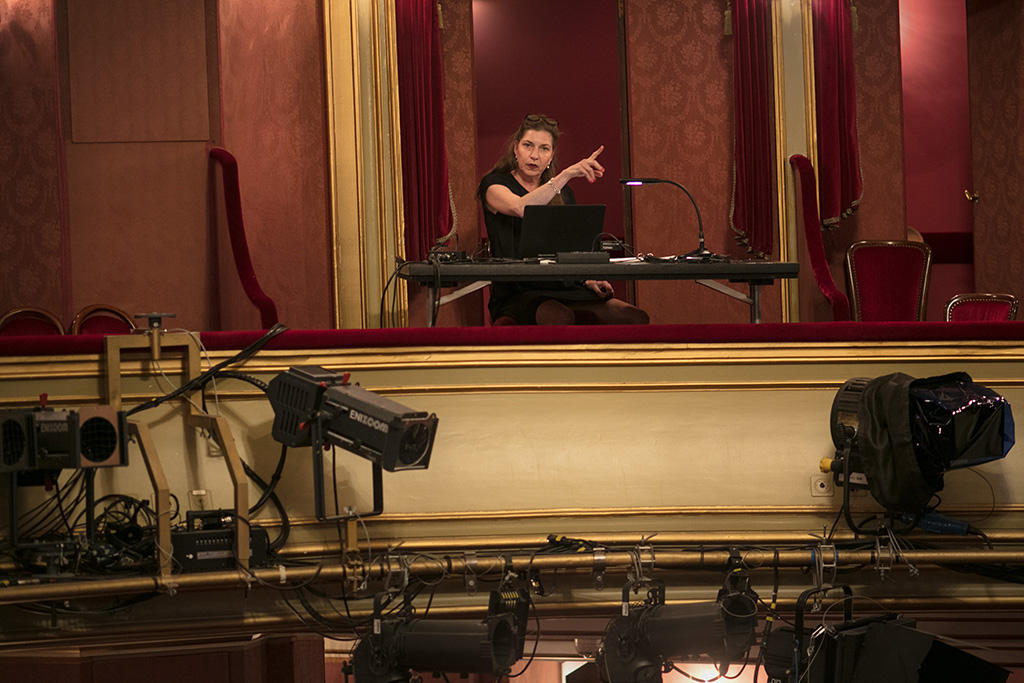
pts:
[507, 161]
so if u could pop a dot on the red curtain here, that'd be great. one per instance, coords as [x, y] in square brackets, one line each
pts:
[753, 211]
[421, 99]
[839, 179]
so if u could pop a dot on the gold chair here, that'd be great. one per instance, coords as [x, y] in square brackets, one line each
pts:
[102, 319]
[979, 307]
[888, 280]
[28, 320]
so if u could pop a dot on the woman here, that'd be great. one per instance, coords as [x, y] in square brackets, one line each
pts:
[526, 174]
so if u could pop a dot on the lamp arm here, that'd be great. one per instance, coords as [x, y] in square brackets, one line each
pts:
[701, 253]
[700, 222]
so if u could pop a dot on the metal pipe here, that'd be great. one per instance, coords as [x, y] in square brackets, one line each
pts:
[433, 567]
[684, 538]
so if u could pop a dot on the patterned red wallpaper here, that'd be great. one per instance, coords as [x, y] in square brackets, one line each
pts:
[680, 112]
[35, 270]
[272, 85]
[876, 47]
[995, 35]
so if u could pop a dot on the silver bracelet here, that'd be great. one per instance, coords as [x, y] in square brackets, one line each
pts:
[554, 187]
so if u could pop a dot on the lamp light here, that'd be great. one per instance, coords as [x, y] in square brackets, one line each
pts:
[701, 253]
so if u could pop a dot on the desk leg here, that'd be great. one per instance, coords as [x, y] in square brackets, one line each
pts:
[755, 302]
[431, 300]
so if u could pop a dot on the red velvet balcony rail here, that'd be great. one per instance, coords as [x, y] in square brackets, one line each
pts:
[838, 332]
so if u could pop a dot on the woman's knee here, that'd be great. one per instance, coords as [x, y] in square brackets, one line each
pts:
[552, 312]
[622, 313]
[636, 316]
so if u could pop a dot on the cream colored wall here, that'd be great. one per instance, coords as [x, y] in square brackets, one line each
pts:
[683, 449]
[580, 430]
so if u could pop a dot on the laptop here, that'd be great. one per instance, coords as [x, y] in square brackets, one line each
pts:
[567, 231]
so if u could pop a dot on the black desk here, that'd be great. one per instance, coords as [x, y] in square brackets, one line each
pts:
[754, 273]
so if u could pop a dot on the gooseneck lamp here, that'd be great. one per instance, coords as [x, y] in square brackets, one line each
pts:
[701, 253]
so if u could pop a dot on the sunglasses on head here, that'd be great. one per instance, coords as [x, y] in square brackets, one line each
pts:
[538, 118]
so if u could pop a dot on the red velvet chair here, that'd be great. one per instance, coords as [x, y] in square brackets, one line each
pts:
[26, 320]
[808, 219]
[102, 319]
[239, 244]
[981, 307]
[888, 280]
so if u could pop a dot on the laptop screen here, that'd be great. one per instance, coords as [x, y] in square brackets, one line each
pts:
[555, 228]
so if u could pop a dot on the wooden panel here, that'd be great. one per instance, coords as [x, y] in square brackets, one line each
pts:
[35, 270]
[138, 70]
[139, 229]
[272, 71]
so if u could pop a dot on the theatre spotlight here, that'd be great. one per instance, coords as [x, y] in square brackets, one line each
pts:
[319, 408]
[399, 647]
[47, 440]
[896, 435]
[644, 642]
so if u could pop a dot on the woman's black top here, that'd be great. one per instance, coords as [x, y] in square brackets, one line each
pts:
[519, 300]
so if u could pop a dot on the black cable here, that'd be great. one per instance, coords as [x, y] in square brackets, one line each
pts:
[832, 529]
[235, 374]
[285, 530]
[769, 619]
[384, 292]
[435, 308]
[40, 519]
[63, 514]
[202, 379]
[63, 607]
[619, 242]
[274, 479]
[980, 534]
[536, 641]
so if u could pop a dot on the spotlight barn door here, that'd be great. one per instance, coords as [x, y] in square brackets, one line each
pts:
[102, 437]
[17, 448]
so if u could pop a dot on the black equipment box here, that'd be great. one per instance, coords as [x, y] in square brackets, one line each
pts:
[208, 542]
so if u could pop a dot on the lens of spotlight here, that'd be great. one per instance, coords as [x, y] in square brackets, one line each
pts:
[414, 444]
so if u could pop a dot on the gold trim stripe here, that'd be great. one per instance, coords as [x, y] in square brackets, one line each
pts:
[552, 387]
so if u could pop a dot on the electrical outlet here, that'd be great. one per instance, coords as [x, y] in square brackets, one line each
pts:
[822, 486]
[199, 499]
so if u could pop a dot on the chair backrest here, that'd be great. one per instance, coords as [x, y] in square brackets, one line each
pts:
[808, 219]
[27, 320]
[102, 319]
[888, 280]
[239, 244]
[979, 306]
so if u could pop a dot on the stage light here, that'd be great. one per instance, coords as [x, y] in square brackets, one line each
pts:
[397, 647]
[48, 440]
[315, 407]
[896, 435]
[645, 641]
[879, 648]
[308, 398]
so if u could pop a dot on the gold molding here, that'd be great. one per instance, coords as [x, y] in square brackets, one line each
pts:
[787, 286]
[810, 92]
[14, 368]
[344, 135]
[365, 157]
